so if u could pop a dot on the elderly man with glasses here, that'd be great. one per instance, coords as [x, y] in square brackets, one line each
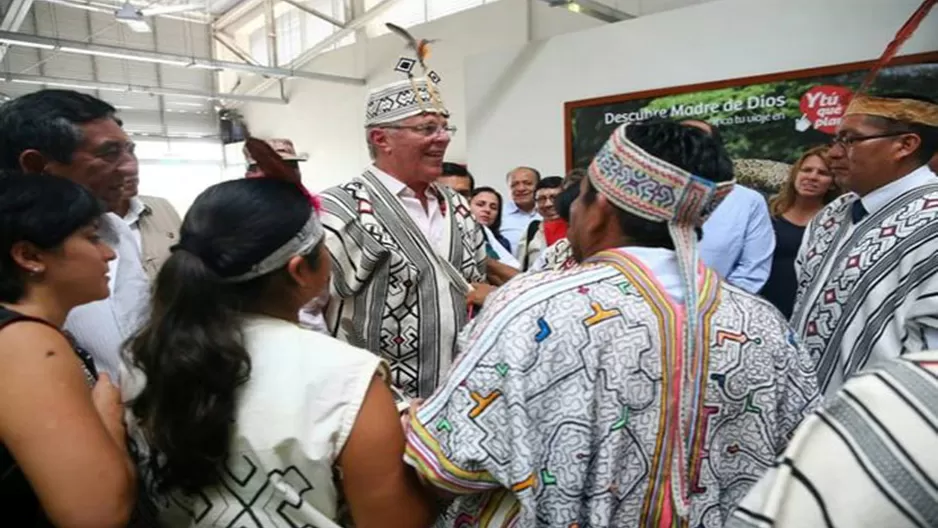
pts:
[868, 267]
[406, 252]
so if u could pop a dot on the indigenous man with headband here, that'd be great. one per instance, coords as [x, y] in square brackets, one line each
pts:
[868, 266]
[634, 389]
[405, 250]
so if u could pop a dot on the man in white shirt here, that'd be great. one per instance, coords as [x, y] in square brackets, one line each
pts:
[405, 249]
[868, 266]
[521, 210]
[78, 137]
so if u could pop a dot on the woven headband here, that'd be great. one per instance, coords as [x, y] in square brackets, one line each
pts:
[637, 182]
[904, 110]
[652, 188]
[301, 243]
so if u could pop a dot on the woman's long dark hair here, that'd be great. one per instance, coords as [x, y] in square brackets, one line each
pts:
[43, 210]
[191, 350]
[497, 224]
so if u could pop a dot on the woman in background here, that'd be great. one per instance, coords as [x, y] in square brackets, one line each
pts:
[810, 186]
[63, 457]
[236, 410]
[486, 206]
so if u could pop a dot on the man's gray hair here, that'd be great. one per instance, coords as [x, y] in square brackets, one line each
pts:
[372, 150]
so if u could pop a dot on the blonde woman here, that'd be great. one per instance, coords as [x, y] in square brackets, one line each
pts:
[809, 187]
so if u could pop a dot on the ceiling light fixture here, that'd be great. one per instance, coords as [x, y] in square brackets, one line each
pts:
[127, 56]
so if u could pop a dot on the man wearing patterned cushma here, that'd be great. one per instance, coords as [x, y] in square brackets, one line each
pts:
[634, 389]
[405, 250]
[867, 459]
[868, 267]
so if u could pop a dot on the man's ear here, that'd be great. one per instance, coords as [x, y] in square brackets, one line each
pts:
[32, 161]
[908, 144]
[378, 137]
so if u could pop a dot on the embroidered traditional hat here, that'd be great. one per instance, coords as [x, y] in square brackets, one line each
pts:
[283, 147]
[904, 110]
[639, 183]
[410, 96]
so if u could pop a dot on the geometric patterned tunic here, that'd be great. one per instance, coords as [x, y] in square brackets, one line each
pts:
[867, 458]
[391, 293]
[554, 412]
[868, 292]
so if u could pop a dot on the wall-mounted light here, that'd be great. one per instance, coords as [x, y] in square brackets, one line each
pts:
[592, 8]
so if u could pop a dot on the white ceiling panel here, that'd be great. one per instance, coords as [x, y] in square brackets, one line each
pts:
[142, 113]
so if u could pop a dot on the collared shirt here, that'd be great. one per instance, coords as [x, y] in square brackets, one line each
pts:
[132, 219]
[738, 240]
[515, 223]
[102, 327]
[879, 198]
[429, 220]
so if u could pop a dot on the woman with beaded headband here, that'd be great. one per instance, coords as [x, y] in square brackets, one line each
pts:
[634, 389]
[235, 411]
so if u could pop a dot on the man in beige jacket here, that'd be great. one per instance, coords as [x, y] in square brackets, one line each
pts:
[154, 223]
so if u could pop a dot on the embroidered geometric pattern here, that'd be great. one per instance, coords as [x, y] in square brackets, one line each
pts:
[554, 412]
[859, 286]
[401, 100]
[247, 496]
[389, 295]
[405, 65]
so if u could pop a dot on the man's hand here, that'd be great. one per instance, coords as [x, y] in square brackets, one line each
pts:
[478, 294]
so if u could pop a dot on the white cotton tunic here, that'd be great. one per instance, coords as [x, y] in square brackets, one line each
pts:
[294, 416]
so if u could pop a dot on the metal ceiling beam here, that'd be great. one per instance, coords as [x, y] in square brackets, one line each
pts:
[111, 8]
[231, 45]
[327, 43]
[316, 13]
[13, 20]
[118, 52]
[236, 13]
[81, 84]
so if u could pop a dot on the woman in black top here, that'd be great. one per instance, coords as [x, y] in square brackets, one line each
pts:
[63, 457]
[810, 186]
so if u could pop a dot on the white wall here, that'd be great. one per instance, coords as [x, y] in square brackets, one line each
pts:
[515, 95]
[326, 119]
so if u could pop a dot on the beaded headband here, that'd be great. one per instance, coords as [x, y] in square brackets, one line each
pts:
[301, 243]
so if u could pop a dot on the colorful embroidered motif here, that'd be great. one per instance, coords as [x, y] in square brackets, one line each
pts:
[582, 428]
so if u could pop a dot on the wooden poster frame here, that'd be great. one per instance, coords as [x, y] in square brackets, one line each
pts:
[570, 106]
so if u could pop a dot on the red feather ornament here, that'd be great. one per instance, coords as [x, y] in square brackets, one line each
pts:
[272, 166]
[906, 31]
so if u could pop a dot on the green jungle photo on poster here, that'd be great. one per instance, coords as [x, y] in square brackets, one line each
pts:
[761, 123]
